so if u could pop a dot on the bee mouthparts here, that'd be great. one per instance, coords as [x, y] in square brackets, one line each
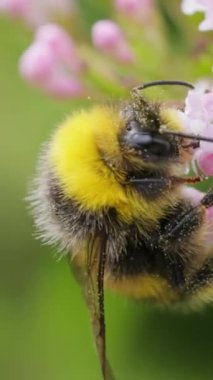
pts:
[188, 136]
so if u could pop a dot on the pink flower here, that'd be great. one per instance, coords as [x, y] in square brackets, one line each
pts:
[52, 63]
[205, 162]
[109, 38]
[198, 119]
[191, 6]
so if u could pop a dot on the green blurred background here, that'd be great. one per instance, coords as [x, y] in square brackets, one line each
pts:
[45, 331]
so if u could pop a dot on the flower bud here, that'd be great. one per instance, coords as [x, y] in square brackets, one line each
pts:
[15, 8]
[62, 46]
[139, 10]
[36, 63]
[37, 12]
[108, 37]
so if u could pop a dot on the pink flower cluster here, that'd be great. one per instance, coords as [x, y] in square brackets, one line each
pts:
[61, 67]
[191, 6]
[198, 119]
[52, 63]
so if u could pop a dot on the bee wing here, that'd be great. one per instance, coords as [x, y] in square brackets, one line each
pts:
[92, 282]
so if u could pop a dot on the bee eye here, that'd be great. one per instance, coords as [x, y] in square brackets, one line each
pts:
[128, 127]
[133, 126]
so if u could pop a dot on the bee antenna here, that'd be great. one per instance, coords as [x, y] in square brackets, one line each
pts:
[188, 135]
[162, 83]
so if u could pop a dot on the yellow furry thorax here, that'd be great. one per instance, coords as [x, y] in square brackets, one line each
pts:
[84, 177]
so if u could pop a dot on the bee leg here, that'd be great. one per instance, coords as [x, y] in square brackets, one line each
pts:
[207, 200]
[178, 239]
[184, 224]
[202, 277]
[149, 187]
[199, 286]
[92, 283]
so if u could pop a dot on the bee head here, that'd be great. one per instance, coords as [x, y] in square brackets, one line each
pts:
[150, 130]
[141, 136]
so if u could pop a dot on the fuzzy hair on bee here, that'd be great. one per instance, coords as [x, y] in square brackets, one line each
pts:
[109, 192]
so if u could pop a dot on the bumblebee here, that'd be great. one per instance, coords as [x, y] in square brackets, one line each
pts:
[109, 192]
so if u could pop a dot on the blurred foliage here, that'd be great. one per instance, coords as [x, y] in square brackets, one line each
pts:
[45, 331]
